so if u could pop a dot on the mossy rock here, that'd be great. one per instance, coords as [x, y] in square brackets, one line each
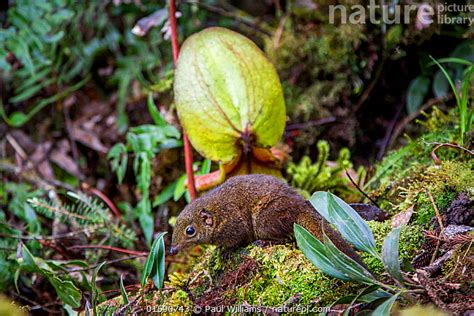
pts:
[269, 276]
[276, 275]
[406, 177]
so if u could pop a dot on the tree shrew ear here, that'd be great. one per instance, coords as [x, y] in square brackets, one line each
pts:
[206, 217]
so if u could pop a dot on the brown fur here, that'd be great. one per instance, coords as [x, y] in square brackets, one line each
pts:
[248, 208]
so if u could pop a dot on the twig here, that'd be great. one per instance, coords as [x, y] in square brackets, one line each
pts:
[359, 189]
[58, 209]
[33, 178]
[438, 217]
[16, 146]
[36, 304]
[400, 126]
[96, 265]
[188, 154]
[440, 222]
[52, 245]
[131, 252]
[437, 161]
[388, 134]
[279, 32]
[59, 236]
[104, 198]
[453, 270]
[122, 310]
[370, 87]
[67, 120]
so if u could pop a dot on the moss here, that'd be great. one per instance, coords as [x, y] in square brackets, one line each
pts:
[426, 310]
[9, 307]
[400, 164]
[277, 274]
[110, 306]
[285, 272]
[323, 54]
[411, 238]
[178, 298]
[273, 275]
[458, 268]
[280, 273]
[404, 178]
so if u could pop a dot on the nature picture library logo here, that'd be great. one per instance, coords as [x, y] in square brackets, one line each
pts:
[425, 13]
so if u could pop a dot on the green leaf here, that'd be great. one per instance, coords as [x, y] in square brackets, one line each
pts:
[158, 270]
[390, 257]
[165, 195]
[179, 189]
[370, 297]
[171, 143]
[205, 167]
[123, 90]
[440, 85]
[95, 291]
[155, 114]
[33, 80]
[464, 51]
[145, 218]
[26, 94]
[65, 289]
[347, 299]
[367, 290]
[448, 77]
[384, 308]
[416, 93]
[153, 258]
[124, 292]
[454, 60]
[144, 174]
[18, 119]
[347, 221]
[118, 155]
[394, 35]
[346, 265]
[224, 88]
[464, 113]
[68, 293]
[316, 252]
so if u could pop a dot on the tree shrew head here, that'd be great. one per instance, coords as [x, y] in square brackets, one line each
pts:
[194, 225]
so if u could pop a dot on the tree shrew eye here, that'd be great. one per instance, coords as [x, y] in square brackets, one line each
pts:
[190, 231]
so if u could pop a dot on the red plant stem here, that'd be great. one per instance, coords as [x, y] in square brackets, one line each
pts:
[130, 252]
[188, 154]
[104, 198]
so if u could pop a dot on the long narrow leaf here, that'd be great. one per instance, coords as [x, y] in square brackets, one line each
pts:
[95, 291]
[390, 256]
[367, 290]
[464, 113]
[370, 297]
[347, 221]
[315, 251]
[155, 260]
[384, 308]
[150, 260]
[346, 265]
[124, 292]
[154, 113]
[158, 271]
[454, 60]
[448, 77]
